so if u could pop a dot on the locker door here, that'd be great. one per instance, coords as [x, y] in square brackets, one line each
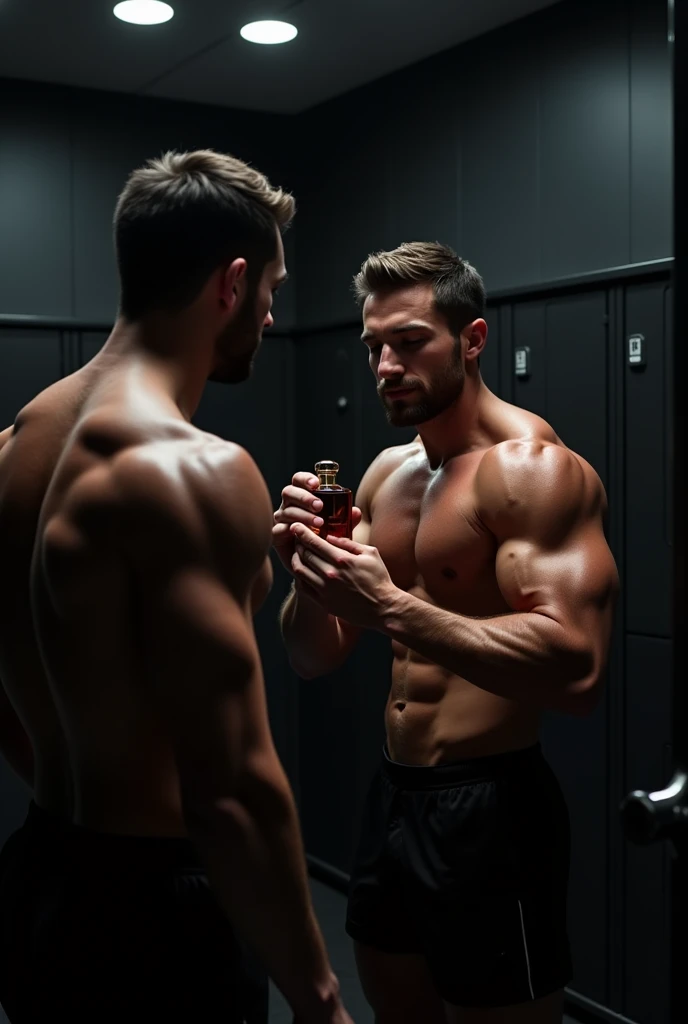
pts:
[647, 465]
[567, 385]
[576, 406]
[576, 375]
[528, 331]
[567, 382]
[647, 944]
[648, 704]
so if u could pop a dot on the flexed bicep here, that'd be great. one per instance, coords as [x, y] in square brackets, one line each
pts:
[545, 506]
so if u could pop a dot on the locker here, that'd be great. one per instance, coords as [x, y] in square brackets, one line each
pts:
[647, 463]
[567, 385]
[567, 380]
[576, 374]
[647, 945]
[528, 330]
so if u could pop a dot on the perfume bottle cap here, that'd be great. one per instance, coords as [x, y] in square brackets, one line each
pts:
[327, 474]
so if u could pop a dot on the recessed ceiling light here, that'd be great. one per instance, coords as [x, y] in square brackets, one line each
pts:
[143, 12]
[269, 32]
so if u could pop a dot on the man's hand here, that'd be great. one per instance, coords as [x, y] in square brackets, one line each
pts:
[299, 505]
[331, 1012]
[347, 579]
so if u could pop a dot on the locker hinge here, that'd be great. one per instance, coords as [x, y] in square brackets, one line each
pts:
[605, 319]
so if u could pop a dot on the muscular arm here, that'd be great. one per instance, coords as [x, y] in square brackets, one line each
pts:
[554, 569]
[195, 554]
[15, 745]
[317, 643]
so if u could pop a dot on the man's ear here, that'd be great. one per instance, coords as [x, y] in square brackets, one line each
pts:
[476, 336]
[233, 285]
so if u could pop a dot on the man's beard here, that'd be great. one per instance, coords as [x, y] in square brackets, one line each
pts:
[237, 346]
[442, 393]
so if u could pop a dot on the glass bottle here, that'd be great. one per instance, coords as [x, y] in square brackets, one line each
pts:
[337, 502]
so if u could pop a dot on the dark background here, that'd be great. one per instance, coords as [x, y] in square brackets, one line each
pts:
[542, 153]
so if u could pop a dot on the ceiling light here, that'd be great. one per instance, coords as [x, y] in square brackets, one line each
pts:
[143, 12]
[269, 32]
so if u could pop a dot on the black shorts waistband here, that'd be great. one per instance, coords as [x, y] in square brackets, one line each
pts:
[78, 842]
[459, 773]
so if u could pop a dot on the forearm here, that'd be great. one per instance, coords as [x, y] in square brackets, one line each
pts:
[316, 642]
[523, 656]
[252, 849]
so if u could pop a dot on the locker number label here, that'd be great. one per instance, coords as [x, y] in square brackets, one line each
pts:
[636, 350]
[522, 361]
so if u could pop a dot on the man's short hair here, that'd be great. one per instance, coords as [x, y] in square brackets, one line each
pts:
[182, 216]
[457, 286]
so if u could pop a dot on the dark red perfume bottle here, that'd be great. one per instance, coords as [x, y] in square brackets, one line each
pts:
[337, 502]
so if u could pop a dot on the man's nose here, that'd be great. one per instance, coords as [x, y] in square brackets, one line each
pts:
[269, 320]
[389, 365]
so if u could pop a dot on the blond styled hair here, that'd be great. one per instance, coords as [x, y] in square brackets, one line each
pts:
[458, 288]
[182, 215]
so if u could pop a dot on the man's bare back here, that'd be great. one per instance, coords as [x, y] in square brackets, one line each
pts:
[74, 637]
[134, 550]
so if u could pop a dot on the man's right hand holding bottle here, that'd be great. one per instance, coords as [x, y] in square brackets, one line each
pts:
[299, 505]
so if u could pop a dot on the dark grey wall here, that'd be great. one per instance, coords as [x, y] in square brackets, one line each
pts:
[538, 151]
[64, 157]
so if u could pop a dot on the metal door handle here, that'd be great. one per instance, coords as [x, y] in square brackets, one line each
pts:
[651, 817]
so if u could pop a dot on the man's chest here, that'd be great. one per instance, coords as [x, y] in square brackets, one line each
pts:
[429, 534]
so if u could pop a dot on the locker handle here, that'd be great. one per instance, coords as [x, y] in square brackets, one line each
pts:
[652, 817]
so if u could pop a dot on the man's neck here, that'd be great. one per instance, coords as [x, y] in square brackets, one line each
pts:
[460, 428]
[172, 354]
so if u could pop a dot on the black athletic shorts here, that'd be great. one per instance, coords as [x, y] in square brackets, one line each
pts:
[102, 928]
[467, 864]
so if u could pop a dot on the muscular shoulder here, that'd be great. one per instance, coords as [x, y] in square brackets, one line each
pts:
[535, 487]
[382, 467]
[199, 496]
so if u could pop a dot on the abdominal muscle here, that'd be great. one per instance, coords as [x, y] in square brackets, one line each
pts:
[434, 717]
